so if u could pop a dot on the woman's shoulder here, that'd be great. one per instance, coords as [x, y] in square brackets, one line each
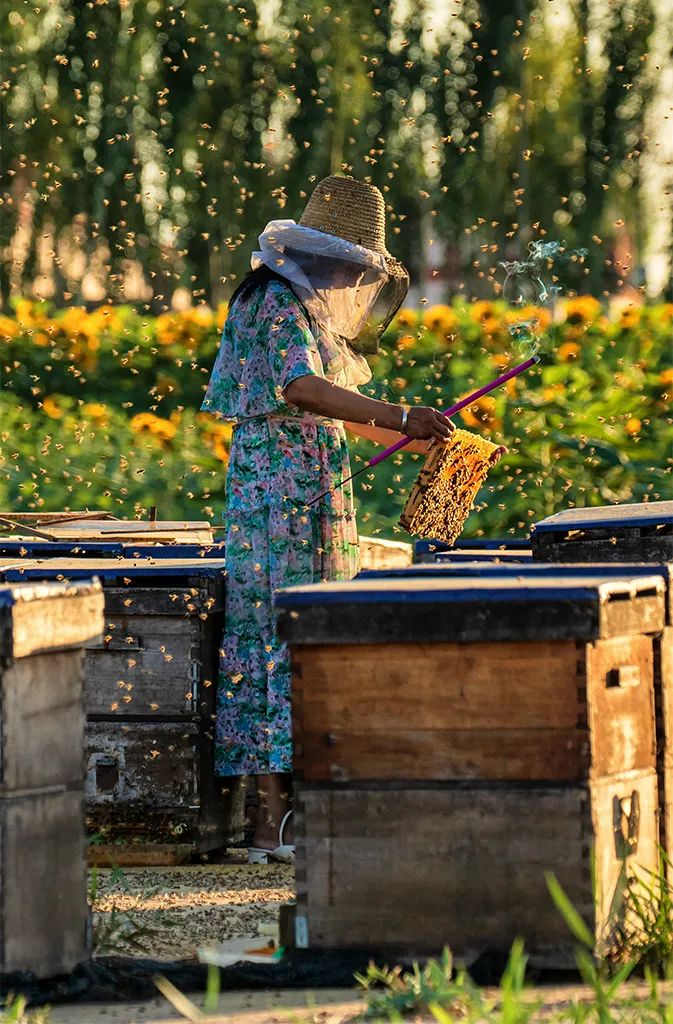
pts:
[280, 299]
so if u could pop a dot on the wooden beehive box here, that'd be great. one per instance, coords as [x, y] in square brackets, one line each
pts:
[376, 553]
[96, 526]
[150, 702]
[448, 729]
[43, 887]
[426, 551]
[611, 533]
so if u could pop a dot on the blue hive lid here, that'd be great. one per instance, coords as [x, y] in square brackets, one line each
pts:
[608, 517]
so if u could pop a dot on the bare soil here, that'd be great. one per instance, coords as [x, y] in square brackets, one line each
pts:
[174, 911]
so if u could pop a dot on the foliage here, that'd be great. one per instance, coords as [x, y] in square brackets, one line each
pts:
[646, 931]
[590, 425]
[162, 137]
[15, 1011]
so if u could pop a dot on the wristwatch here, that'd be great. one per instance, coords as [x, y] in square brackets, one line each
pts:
[405, 417]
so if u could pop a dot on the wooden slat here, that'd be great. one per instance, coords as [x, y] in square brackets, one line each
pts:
[620, 698]
[443, 755]
[144, 680]
[67, 616]
[469, 610]
[42, 728]
[477, 686]
[145, 763]
[43, 896]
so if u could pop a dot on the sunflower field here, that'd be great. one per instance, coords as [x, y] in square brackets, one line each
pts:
[99, 409]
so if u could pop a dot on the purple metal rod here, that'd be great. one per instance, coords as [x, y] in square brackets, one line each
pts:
[502, 379]
[514, 372]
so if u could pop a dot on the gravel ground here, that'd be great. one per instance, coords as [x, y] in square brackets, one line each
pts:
[168, 913]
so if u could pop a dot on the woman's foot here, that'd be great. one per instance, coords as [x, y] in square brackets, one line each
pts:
[273, 828]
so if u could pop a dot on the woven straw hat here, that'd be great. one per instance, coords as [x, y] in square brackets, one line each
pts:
[353, 210]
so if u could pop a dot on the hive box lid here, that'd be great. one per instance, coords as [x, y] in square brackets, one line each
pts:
[37, 617]
[30, 548]
[157, 570]
[383, 611]
[442, 567]
[608, 517]
[60, 527]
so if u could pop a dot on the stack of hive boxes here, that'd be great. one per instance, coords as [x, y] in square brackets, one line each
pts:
[43, 887]
[458, 738]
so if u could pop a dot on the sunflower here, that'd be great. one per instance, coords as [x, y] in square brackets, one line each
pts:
[440, 320]
[9, 328]
[406, 318]
[51, 407]
[582, 310]
[569, 351]
[97, 412]
[629, 317]
[221, 315]
[481, 413]
[148, 423]
[184, 328]
[633, 425]
[405, 341]
[481, 311]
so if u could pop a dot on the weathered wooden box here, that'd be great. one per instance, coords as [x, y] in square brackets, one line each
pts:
[468, 728]
[517, 550]
[412, 869]
[611, 533]
[376, 553]
[150, 701]
[43, 888]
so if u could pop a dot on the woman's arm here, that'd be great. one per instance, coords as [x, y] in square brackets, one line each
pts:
[379, 435]
[315, 394]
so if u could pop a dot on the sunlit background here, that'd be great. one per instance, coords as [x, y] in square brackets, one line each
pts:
[145, 145]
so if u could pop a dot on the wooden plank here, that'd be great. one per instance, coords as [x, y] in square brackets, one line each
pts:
[620, 698]
[419, 869]
[443, 755]
[144, 763]
[113, 855]
[664, 687]
[69, 616]
[43, 896]
[42, 729]
[441, 686]
[625, 826]
[201, 596]
[415, 869]
[152, 675]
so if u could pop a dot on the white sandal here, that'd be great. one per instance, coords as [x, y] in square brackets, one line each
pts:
[284, 851]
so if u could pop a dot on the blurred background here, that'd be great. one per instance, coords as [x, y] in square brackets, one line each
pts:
[146, 145]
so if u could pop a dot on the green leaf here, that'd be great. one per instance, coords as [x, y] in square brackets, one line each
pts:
[568, 912]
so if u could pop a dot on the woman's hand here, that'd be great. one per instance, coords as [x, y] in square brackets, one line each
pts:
[424, 422]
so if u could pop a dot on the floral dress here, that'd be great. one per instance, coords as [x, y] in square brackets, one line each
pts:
[280, 459]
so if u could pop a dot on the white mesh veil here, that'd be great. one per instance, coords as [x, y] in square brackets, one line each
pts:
[336, 280]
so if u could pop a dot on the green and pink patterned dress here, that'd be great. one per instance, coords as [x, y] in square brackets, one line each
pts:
[281, 458]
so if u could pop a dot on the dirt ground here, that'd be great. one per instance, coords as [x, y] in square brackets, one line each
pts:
[169, 913]
[328, 1006]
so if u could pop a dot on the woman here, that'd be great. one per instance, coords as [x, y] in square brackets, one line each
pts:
[287, 374]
